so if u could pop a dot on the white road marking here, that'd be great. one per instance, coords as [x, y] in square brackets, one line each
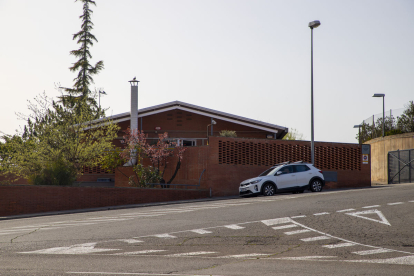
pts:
[373, 206]
[137, 273]
[395, 203]
[321, 214]
[347, 241]
[139, 252]
[191, 254]
[374, 251]
[338, 245]
[406, 260]
[85, 248]
[297, 232]
[130, 240]
[316, 238]
[165, 236]
[346, 210]
[234, 227]
[302, 216]
[271, 222]
[285, 226]
[411, 201]
[368, 212]
[201, 231]
[306, 258]
[253, 255]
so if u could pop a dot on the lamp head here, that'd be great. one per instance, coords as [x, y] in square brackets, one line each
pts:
[213, 122]
[314, 24]
[378, 95]
[357, 126]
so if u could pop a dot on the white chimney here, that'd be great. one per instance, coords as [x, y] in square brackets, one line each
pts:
[134, 117]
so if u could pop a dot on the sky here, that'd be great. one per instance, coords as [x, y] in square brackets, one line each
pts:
[250, 58]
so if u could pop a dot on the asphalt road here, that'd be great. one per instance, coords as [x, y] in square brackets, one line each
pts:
[349, 232]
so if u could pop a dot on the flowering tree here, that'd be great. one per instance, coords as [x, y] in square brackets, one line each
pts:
[137, 147]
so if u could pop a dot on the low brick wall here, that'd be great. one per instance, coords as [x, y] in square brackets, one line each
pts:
[22, 199]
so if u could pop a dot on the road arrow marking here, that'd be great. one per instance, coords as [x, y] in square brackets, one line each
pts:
[369, 212]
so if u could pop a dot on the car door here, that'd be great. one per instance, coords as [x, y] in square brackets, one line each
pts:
[303, 175]
[287, 178]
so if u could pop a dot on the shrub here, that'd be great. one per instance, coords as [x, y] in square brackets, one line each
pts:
[57, 173]
[228, 133]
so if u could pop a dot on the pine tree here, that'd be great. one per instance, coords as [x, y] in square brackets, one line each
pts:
[81, 88]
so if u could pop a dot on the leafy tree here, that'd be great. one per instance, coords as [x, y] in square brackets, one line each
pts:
[228, 133]
[55, 138]
[293, 134]
[406, 120]
[403, 124]
[86, 71]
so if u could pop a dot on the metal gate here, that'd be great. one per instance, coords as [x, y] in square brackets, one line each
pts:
[401, 166]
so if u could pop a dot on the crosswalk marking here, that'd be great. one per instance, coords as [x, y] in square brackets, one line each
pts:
[374, 251]
[297, 232]
[395, 203]
[285, 226]
[315, 238]
[338, 245]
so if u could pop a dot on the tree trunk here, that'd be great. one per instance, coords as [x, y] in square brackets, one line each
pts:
[175, 172]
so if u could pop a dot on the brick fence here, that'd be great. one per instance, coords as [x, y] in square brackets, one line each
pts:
[22, 199]
[229, 161]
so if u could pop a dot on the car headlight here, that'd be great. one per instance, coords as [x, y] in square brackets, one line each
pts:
[256, 181]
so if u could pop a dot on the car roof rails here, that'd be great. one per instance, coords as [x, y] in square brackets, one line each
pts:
[297, 162]
[283, 163]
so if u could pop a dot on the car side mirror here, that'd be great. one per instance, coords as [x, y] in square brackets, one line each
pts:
[279, 173]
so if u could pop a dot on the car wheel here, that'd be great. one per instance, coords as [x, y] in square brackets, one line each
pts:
[316, 185]
[268, 190]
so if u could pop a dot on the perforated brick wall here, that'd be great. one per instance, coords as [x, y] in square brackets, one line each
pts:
[96, 170]
[270, 153]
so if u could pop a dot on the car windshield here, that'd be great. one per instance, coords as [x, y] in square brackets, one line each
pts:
[270, 171]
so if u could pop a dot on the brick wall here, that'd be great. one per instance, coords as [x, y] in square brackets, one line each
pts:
[18, 200]
[229, 161]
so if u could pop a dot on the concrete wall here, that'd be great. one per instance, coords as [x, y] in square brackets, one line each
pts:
[19, 199]
[379, 152]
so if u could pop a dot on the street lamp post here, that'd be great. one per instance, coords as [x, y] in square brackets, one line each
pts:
[383, 111]
[312, 25]
[212, 123]
[359, 132]
[103, 93]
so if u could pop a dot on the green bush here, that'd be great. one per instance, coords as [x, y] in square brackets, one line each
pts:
[144, 175]
[228, 133]
[58, 173]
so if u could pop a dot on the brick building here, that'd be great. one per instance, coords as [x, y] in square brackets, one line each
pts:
[193, 124]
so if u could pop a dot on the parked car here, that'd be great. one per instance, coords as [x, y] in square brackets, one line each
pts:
[284, 177]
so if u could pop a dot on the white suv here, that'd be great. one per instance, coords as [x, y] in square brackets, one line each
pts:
[285, 177]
